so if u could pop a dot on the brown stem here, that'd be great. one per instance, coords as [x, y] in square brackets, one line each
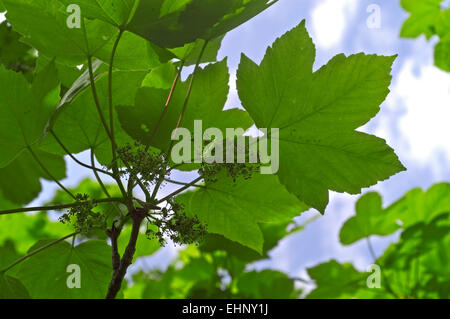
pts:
[137, 216]
[114, 234]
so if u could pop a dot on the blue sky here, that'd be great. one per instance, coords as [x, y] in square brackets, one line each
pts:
[413, 119]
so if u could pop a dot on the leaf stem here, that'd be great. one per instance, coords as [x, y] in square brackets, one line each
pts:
[99, 180]
[180, 190]
[110, 101]
[96, 99]
[75, 159]
[102, 118]
[189, 91]
[180, 119]
[182, 183]
[49, 174]
[166, 106]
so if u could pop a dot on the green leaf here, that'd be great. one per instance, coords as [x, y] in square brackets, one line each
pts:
[190, 52]
[24, 230]
[115, 12]
[80, 119]
[8, 253]
[267, 284]
[45, 274]
[370, 220]
[161, 77]
[418, 206]
[442, 55]
[422, 19]
[317, 115]
[14, 54]
[144, 246]
[235, 210]
[67, 75]
[11, 288]
[173, 24]
[272, 234]
[134, 53]
[336, 280]
[417, 266]
[206, 103]
[24, 110]
[20, 182]
[43, 23]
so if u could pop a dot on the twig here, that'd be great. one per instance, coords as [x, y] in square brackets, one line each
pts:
[58, 207]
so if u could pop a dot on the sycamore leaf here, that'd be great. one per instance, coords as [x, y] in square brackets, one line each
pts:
[15, 54]
[24, 110]
[317, 115]
[423, 250]
[336, 280]
[43, 23]
[24, 230]
[370, 220]
[235, 210]
[414, 207]
[419, 206]
[77, 124]
[442, 49]
[422, 19]
[20, 182]
[266, 284]
[134, 53]
[8, 253]
[115, 12]
[206, 103]
[67, 74]
[45, 274]
[442, 55]
[11, 288]
[171, 24]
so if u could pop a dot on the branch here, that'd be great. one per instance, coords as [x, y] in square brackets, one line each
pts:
[52, 243]
[58, 207]
[138, 216]
[114, 234]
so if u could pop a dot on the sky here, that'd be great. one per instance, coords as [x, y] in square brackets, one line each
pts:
[413, 119]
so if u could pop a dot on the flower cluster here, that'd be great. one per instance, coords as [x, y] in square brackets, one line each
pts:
[172, 222]
[211, 171]
[141, 163]
[82, 216]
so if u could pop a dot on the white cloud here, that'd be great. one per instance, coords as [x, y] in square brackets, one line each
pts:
[329, 21]
[425, 91]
